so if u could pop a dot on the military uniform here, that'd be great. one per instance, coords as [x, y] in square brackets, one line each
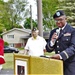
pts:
[65, 46]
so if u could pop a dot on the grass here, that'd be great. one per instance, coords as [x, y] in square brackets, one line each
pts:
[50, 54]
[9, 58]
[9, 61]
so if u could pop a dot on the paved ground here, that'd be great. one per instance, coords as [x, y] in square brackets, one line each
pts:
[7, 72]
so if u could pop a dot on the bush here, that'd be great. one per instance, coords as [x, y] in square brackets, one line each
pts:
[6, 44]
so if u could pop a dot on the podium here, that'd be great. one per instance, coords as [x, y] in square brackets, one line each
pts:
[30, 65]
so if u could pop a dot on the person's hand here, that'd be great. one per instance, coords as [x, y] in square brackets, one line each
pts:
[56, 56]
[54, 37]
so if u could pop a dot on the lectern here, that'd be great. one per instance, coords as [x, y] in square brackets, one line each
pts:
[30, 65]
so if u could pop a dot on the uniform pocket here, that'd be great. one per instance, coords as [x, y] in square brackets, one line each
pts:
[66, 38]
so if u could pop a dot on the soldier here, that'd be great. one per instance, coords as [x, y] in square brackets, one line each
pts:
[62, 41]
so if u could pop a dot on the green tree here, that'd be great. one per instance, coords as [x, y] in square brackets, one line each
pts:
[69, 7]
[12, 13]
[27, 23]
[2, 27]
[6, 43]
[17, 11]
[49, 7]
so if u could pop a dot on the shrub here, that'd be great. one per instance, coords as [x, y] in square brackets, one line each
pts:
[6, 44]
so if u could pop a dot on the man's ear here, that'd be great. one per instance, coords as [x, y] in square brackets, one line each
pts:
[66, 18]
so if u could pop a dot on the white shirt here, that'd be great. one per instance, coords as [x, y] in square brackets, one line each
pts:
[35, 46]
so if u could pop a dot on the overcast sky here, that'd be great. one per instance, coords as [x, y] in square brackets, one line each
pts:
[34, 8]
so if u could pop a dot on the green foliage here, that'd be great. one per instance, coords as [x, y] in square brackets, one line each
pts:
[1, 1]
[27, 23]
[17, 10]
[12, 13]
[6, 44]
[69, 7]
[49, 7]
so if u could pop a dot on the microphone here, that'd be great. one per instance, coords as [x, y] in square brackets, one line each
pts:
[57, 33]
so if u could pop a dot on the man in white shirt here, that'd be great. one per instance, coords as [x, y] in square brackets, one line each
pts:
[35, 45]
